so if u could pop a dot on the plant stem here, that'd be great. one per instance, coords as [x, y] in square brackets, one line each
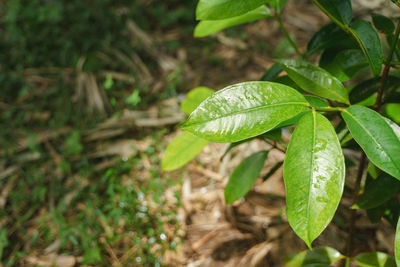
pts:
[386, 69]
[287, 36]
[332, 109]
[356, 193]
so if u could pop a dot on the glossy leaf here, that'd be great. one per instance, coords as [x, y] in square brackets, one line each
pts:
[375, 259]
[339, 11]
[320, 255]
[397, 243]
[223, 9]
[329, 36]
[181, 150]
[207, 27]
[314, 176]
[378, 191]
[244, 176]
[244, 110]
[369, 42]
[194, 98]
[314, 79]
[376, 137]
[382, 23]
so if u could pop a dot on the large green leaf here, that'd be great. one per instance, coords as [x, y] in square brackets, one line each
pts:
[397, 244]
[314, 79]
[376, 137]
[320, 255]
[223, 9]
[194, 98]
[244, 176]
[314, 176]
[181, 150]
[244, 110]
[369, 42]
[207, 27]
[375, 259]
[378, 191]
[339, 11]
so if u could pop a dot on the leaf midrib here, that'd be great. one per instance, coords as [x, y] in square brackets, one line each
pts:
[246, 111]
[312, 175]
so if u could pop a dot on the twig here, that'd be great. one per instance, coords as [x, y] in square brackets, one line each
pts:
[386, 69]
[287, 36]
[356, 192]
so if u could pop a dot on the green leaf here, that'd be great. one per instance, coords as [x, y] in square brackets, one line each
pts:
[339, 11]
[244, 110]
[367, 88]
[329, 36]
[320, 255]
[369, 42]
[244, 176]
[314, 79]
[397, 244]
[393, 112]
[378, 191]
[383, 23]
[207, 27]
[350, 62]
[376, 137]
[181, 150]
[278, 5]
[194, 98]
[314, 176]
[272, 73]
[375, 259]
[223, 9]
[316, 101]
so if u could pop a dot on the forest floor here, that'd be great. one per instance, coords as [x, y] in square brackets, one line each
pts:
[97, 197]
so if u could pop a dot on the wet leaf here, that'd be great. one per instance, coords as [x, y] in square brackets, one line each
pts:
[244, 110]
[244, 176]
[181, 150]
[369, 42]
[376, 137]
[314, 79]
[223, 9]
[194, 98]
[314, 176]
[375, 259]
[207, 27]
[320, 255]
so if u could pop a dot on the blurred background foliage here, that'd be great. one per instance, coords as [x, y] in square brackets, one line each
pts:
[59, 203]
